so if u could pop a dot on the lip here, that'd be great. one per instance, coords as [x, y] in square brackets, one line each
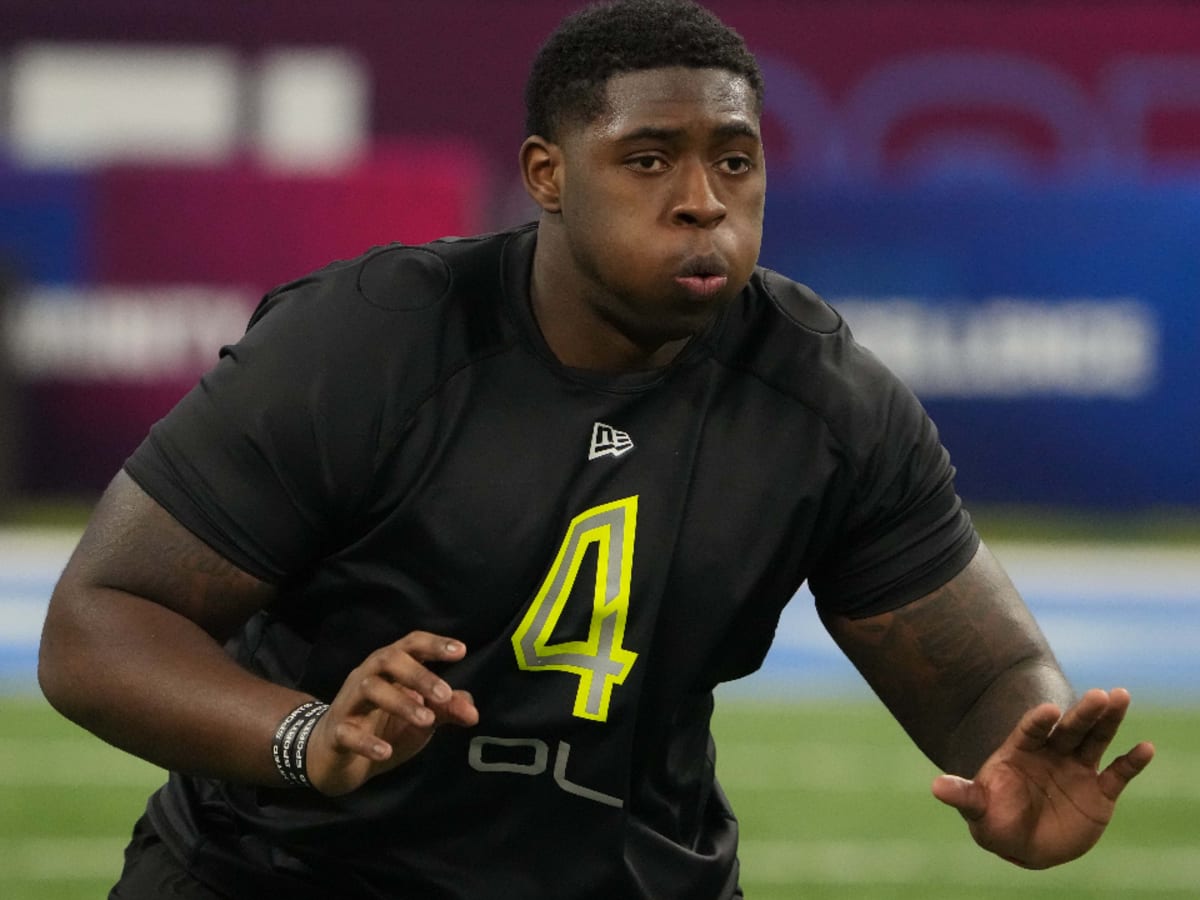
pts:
[707, 265]
[702, 285]
[703, 276]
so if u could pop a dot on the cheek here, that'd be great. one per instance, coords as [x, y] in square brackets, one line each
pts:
[598, 218]
[617, 238]
[750, 231]
[744, 227]
[604, 247]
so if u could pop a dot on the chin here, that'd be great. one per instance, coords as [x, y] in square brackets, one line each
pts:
[692, 323]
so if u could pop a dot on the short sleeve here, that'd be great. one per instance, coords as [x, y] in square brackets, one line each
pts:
[268, 453]
[904, 531]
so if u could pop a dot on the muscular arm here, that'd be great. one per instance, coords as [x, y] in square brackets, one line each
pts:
[132, 645]
[132, 651]
[958, 667]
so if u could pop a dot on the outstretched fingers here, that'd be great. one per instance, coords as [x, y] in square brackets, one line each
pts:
[1034, 729]
[1097, 740]
[1122, 770]
[1078, 722]
[1039, 799]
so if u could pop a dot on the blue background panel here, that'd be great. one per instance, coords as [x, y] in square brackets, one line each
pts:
[956, 246]
[45, 221]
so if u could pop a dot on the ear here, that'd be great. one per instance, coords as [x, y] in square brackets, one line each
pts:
[542, 170]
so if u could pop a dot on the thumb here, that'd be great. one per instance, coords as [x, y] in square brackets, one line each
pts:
[963, 794]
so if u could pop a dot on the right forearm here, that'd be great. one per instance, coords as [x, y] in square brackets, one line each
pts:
[154, 683]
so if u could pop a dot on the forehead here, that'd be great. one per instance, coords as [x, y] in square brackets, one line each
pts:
[675, 95]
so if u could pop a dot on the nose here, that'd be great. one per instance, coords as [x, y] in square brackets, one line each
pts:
[696, 202]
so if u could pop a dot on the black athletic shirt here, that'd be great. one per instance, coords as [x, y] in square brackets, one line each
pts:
[395, 447]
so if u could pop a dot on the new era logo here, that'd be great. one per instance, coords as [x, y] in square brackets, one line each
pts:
[608, 441]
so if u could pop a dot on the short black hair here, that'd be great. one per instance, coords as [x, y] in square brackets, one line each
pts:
[570, 73]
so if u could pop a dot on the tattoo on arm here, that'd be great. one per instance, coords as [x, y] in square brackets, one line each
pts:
[957, 667]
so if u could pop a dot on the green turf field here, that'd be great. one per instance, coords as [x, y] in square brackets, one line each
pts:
[834, 803]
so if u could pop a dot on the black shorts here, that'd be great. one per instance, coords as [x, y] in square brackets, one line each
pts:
[153, 872]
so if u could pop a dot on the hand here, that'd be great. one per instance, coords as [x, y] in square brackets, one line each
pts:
[386, 712]
[1039, 800]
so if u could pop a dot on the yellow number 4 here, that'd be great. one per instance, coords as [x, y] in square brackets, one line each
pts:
[599, 659]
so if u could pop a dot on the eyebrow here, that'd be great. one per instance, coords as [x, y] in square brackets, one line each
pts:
[724, 131]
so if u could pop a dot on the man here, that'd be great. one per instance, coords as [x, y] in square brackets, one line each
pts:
[512, 506]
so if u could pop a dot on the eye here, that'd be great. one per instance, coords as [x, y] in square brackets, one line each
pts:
[646, 163]
[736, 165]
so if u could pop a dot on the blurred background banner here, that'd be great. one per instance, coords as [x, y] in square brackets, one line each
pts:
[1003, 198]
[1053, 333]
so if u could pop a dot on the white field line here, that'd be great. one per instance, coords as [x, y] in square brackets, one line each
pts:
[1082, 572]
[1085, 594]
[1105, 869]
[21, 620]
[1087, 572]
[34, 552]
[1078, 570]
[30, 563]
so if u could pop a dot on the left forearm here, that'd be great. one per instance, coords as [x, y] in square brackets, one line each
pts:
[958, 667]
[989, 720]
